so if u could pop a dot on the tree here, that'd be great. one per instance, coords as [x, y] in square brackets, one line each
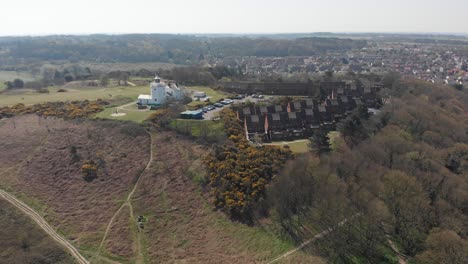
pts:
[18, 83]
[444, 247]
[319, 143]
[409, 206]
[15, 84]
[104, 81]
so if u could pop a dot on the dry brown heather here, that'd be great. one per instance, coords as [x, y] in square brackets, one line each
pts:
[120, 240]
[181, 225]
[22, 241]
[38, 165]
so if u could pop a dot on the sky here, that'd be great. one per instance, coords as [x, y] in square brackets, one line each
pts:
[43, 17]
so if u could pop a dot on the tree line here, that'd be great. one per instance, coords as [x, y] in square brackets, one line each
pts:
[178, 49]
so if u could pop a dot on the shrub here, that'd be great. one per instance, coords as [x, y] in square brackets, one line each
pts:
[89, 170]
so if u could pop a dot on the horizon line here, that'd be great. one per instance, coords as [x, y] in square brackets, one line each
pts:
[465, 34]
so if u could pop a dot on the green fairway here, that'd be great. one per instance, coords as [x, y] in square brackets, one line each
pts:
[28, 97]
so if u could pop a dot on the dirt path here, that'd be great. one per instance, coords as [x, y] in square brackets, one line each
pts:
[402, 259]
[127, 202]
[44, 225]
[305, 243]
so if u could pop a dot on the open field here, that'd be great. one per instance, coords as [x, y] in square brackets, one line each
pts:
[9, 98]
[296, 146]
[214, 95]
[22, 241]
[41, 165]
[11, 75]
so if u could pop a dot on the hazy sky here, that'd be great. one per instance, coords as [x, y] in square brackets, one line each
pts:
[39, 17]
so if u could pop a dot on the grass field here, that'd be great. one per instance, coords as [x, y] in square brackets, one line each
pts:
[296, 146]
[130, 110]
[197, 127]
[11, 75]
[92, 93]
[213, 94]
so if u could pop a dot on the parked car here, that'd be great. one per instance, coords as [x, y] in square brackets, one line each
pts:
[218, 105]
[261, 96]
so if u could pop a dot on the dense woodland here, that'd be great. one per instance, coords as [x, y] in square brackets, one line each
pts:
[399, 177]
[179, 49]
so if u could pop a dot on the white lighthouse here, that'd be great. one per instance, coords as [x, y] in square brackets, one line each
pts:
[158, 92]
[161, 93]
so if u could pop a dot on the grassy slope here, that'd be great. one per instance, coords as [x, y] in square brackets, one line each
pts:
[182, 226]
[22, 241]
[77, 209]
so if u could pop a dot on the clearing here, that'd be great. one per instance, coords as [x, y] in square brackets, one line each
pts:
[296, 146]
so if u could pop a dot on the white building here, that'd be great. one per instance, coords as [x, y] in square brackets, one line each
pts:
[161, 94]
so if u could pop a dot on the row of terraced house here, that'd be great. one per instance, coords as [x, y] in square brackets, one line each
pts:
[300, 119]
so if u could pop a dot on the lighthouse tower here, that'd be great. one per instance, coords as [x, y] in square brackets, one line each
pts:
[158, 92]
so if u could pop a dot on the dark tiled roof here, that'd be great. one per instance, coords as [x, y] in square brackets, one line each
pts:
[292, 115]
[275, 117]
[255, 118]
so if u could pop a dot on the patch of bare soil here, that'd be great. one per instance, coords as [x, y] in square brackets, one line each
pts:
[41, 161]
[181, 227]
[120, 241]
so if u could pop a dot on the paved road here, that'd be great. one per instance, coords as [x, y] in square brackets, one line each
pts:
[44, 225]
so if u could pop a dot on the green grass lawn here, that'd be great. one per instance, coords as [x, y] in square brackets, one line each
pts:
[214, 95]
[131, 113]
[198, 127]
[89, 93]
[296, 146]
